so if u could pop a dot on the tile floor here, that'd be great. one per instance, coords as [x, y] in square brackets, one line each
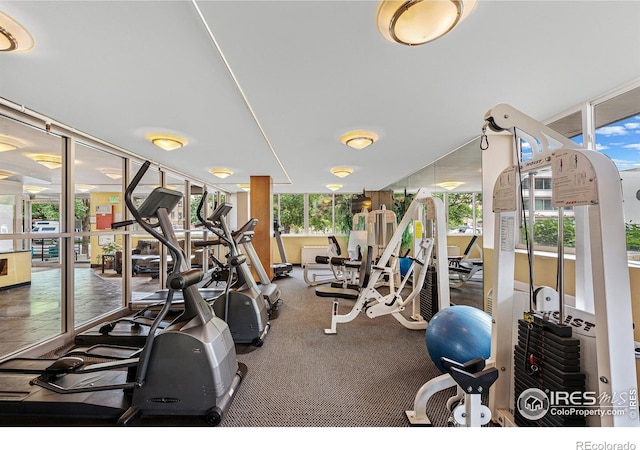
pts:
[32, 313]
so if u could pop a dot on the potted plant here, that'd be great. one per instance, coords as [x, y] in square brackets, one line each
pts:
[109, 248]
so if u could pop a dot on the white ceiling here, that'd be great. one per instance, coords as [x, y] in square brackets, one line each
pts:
[309, 72]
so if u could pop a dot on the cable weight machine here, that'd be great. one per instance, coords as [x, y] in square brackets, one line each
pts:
[588, 345]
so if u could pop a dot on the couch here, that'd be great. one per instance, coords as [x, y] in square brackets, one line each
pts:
[145, 257]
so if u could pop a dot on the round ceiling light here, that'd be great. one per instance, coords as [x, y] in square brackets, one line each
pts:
[167, 141]
[221, 172]
[342, 171]
[13, 36]
[49, 161]
[417, 22]
[450, 185]
[358, 139]
[334, 187]
[6, 174]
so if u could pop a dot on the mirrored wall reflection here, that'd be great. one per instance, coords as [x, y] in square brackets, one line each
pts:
[457, 180]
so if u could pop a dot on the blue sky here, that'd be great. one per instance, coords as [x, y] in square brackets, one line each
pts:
[621, 142]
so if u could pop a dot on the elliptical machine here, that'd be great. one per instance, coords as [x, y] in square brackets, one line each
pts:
[243, 308]
[188, 368]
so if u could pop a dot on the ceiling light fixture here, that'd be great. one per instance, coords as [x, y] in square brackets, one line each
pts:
[112, 173]
[417, 22]
[358, 139]
[245, 186]
[34, 189]
[167, 141]
[221, 172]
[84, 187]
[334, 187]
[450, 185]
[49, 161]
[342, 171]
[5, 146]
[5, 174]
[13, 36]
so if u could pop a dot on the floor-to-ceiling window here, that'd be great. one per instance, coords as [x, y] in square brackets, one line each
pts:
[98, 203]
[32, 235]
[612, 124]
[63, 265]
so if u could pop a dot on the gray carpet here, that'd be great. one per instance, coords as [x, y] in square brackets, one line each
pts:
[365, 376]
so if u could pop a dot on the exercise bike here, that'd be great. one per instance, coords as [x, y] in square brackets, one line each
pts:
[188, 368]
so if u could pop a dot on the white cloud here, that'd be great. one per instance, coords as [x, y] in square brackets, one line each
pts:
[633, 146]
[616, 130]
[632, 125]
[601, 147]
[622, 164]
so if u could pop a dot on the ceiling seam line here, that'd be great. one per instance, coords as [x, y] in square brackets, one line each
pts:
[239, 88]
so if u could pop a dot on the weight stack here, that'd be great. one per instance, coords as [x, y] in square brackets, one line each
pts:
[429, 294]
[548, 358]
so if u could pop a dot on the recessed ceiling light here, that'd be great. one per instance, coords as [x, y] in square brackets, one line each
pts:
[341, 171]
[334, 187]
[221, 172]
[167, 141]
[358, 139]
[13, 36]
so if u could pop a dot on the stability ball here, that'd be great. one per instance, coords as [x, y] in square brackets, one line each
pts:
[459, 332]
[405, 264]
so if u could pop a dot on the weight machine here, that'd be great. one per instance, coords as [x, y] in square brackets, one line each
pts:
[593, 339]
[424, 210]
[322, 270]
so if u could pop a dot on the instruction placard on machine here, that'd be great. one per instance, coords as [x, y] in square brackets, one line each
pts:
[504, 191]
[573, 180]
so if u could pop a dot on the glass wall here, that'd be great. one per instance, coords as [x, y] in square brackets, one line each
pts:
[31, 256]
[613, 124]
[62, 265]
[98, 203]
[617, 135]
[313, 214]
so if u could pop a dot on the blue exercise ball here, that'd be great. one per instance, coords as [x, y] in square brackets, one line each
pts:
[459, 332]
[405, 264]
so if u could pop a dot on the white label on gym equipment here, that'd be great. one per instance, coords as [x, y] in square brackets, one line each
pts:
[507, 234]
[504, 191]
[573, 180]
